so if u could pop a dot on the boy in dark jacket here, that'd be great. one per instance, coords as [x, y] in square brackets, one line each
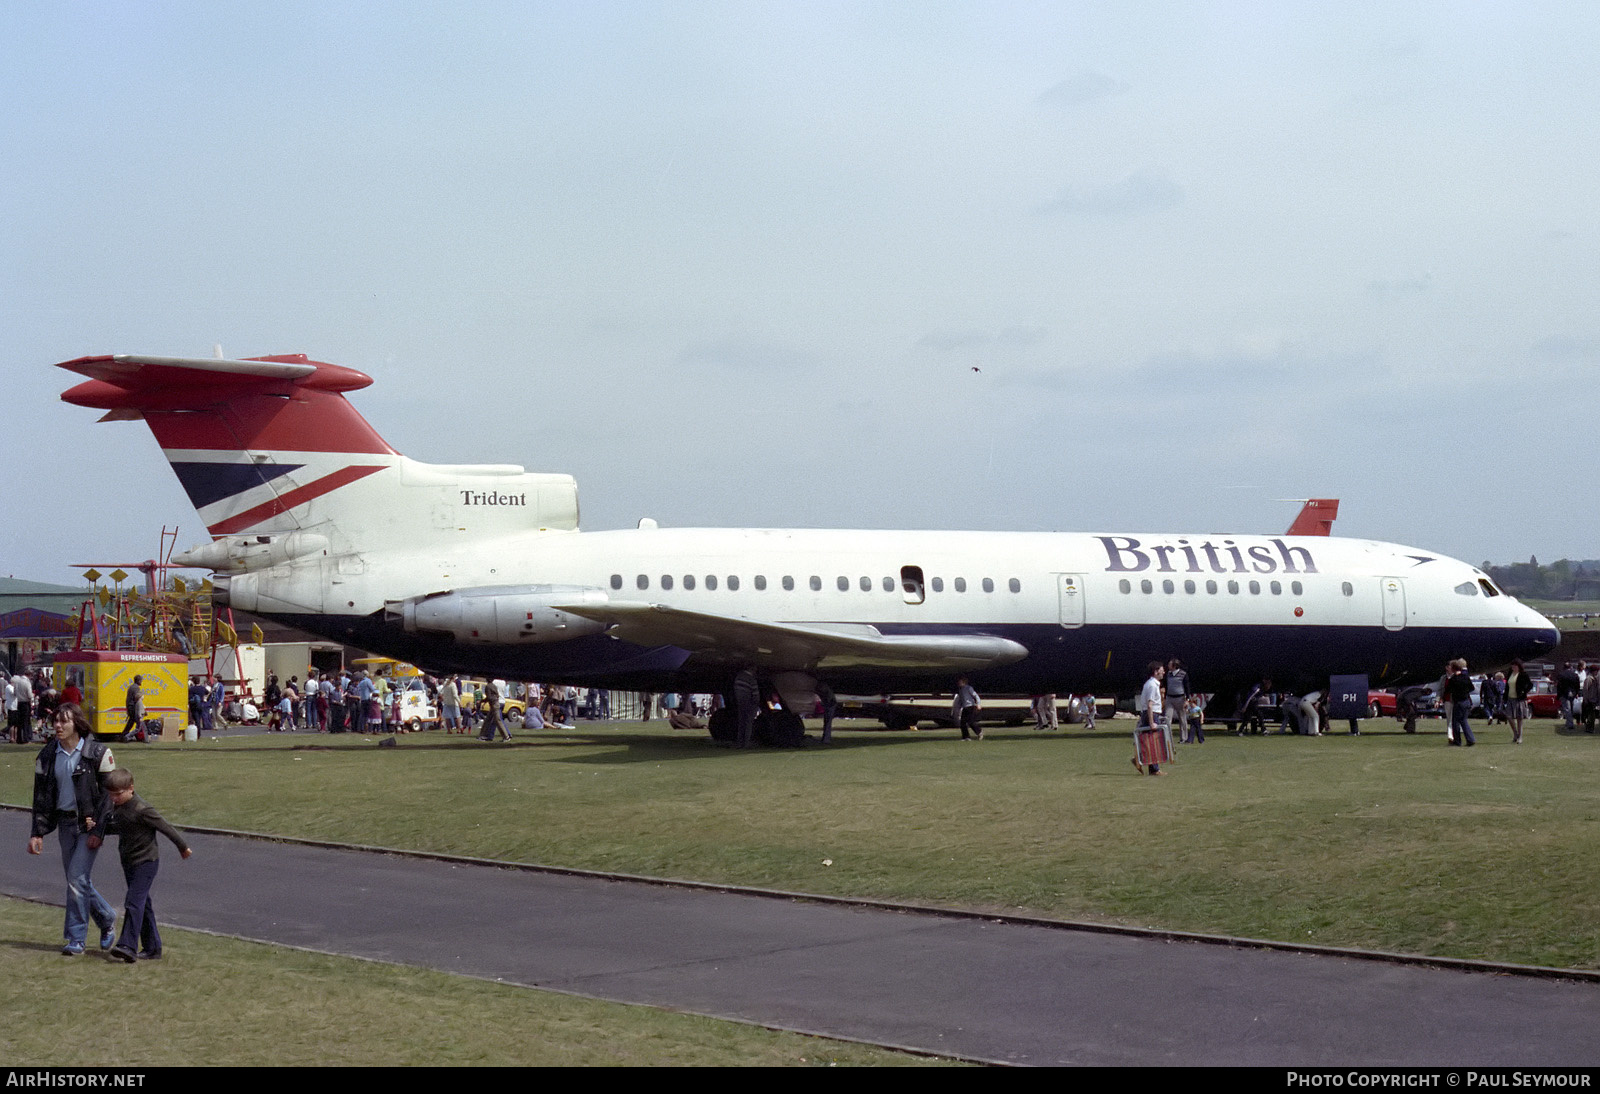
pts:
[137, 822]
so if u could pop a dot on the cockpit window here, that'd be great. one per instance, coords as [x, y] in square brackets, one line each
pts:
[1467, 588]
[1488, 588]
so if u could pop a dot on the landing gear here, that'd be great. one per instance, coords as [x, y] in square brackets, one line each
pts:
[723, 725]
[774, 727]
[780, 729]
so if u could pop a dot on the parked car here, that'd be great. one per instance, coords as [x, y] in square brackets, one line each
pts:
[513, 709]
[1542, 701]
[1424, 699]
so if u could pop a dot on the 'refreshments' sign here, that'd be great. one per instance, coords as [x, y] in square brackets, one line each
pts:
[1124, 554]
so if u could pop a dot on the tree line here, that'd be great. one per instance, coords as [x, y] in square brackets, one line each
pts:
[1564, 579]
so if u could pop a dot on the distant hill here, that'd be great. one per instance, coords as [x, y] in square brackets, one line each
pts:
[1564, 579]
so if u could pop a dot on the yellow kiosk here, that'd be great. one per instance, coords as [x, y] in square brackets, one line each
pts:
[104, 676]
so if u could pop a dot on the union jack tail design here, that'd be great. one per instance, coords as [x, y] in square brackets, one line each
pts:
[255, 442]
[273, 456]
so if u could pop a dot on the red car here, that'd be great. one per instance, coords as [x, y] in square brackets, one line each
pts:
[1542, 701]
[1386, 704]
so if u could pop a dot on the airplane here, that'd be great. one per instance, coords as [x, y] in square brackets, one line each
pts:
[482, 569]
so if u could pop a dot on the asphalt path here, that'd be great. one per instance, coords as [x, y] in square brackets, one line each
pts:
[973, 988]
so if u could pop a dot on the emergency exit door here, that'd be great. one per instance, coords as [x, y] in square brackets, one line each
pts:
[1394, 602]
[1071, 594]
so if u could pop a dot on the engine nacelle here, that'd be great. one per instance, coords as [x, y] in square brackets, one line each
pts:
[500, 614]
[233, 554]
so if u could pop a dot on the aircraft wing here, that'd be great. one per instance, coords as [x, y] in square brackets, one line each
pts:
[797, 646]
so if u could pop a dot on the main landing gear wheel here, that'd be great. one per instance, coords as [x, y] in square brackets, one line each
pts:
[723, 725]
[779, 729]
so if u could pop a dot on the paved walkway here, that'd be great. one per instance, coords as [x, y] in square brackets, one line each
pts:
[973, 988]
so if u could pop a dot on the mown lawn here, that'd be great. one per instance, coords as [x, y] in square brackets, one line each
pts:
[1385, 840]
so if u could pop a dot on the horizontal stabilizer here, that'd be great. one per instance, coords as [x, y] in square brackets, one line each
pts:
[814, 647]
[132, 382]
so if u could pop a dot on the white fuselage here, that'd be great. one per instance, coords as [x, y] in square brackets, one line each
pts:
[1351, 605]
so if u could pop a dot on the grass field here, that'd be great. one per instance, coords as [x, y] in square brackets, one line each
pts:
[1569, 611]
[1384, 840]
[218, 1002]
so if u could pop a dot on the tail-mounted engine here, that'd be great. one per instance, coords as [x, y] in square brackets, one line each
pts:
[499, 614]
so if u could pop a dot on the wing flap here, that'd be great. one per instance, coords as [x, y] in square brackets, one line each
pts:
[816, 647]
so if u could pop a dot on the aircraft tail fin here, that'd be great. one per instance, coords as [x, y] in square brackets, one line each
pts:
[267, 447]
[1316, 518]
[228, 429]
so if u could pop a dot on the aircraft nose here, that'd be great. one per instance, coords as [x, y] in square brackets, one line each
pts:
[1542, 636]
[1545, 638]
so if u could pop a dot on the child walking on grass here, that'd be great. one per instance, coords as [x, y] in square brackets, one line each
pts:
[137, 822]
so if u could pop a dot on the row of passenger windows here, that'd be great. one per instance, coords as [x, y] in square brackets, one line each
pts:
[710, 581]
[1274, 587]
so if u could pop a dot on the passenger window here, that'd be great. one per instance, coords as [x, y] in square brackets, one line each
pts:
[733, 583]
[1233, 587]
[1125, 586]
[866, 584]
[1167, 586]
[761, 583]
[1146, 587]
[961, 584]
[1211, 587]
[888, 584]
[844, 584]
[643, 582]
[711, 581]
[1277, 589]
[1296, 588]
[688, 581]
[788, 583]
[1347, 589]
[1014, 585]
[938, 584]
[988, 584]
[1188, 586]
[616, 581]
[1255, 588]
[666, 581]
[816, 583]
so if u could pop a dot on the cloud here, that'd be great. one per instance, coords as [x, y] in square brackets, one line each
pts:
[1400, 287]
[1242, 373]
[1141, 192]
[1083, 87]
[1055, 379]
[740, 355]
[949, 341]
[1560, 347]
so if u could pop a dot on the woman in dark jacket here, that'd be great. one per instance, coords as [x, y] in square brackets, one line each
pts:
[1519, 685]
[68, 798]
[1458, 689]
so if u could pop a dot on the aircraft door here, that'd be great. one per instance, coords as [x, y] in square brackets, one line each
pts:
[1394, 603]
[1071, 591]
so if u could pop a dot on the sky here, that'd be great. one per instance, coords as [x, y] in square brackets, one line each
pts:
[1031, 266]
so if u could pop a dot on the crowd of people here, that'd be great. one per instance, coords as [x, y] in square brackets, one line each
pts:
[362, 701]
[31, 699]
